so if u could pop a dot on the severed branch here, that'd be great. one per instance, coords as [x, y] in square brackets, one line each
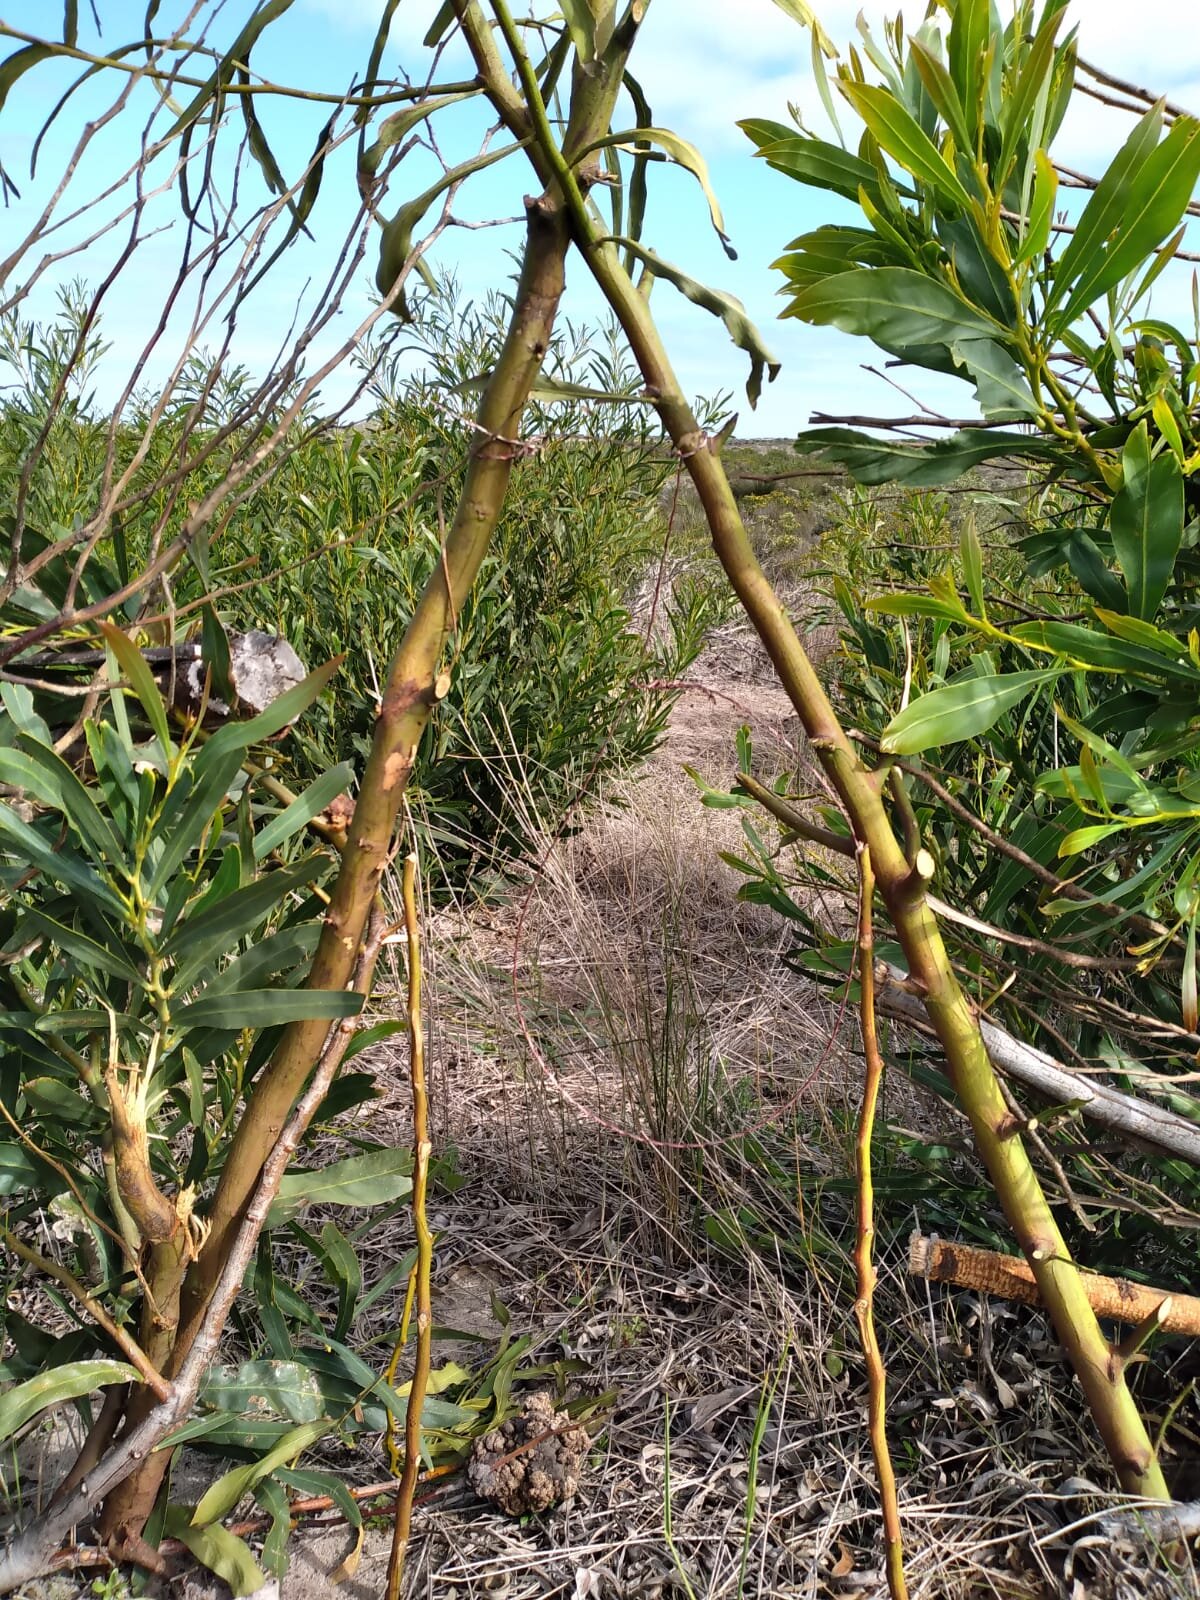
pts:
[1146, 1310]
[1149, 1126]
[422, 1270]
[864, 1305]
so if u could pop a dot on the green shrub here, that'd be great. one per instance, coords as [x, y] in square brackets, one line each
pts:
[552, 684]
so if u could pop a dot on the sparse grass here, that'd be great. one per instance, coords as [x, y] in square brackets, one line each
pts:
[786, 506]
[657, 1143]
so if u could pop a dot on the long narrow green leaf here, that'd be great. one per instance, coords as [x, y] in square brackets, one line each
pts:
[679, 151]
[640, 165]
[223, 1496]
[1041, 209]
[731, 312]
[267, 1008]
[1146, 521]
[303, 809]
[278, 715]
[237, 55]
[82, 949]
[811, 161]
[132, 663]
[873, 461]
[1153, 201]
[1088, 647]
[370, 81]
[24, 1401]
[366, 1180]
[939, 86]
[196, 938]
[60, 865]
[77, 803]
[217, 1549]
[188, 814]
[1019, 102]
[280, 952]
[1101, 217]
[966, 47]
[14, 67]
[902, 137]
[959, 710]
[396, 240]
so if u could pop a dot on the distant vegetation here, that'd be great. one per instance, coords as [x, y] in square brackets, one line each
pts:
[552, 685]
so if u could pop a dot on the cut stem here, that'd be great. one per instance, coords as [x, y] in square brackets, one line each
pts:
[424, 1267]
[864, 1305]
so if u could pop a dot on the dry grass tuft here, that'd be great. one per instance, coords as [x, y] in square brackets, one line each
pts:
[653, 1113]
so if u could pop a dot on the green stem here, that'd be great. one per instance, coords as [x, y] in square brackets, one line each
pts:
[1115, 1412]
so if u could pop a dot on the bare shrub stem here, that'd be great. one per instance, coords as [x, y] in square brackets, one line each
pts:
[864, 1305]
[424, 1266]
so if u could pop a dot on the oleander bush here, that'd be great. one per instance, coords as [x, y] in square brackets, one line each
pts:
[553, 684]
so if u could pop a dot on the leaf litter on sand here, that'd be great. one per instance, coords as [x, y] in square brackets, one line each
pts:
[590, 1179]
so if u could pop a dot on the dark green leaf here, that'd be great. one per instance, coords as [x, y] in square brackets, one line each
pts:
[1090, 648]
[1153, 199]
[15, 65]
[1092, 573]
[213, 1547]
[285, 1387]
[1146, 521]
[365, 1180]
[895, 306]
[940, 87]
[873, 461]
[61, 865]
[731, 312]
[966, 47]
[24, 1401]
[266, 1008]
[901, 136]
[812, 161]
[272, 1496]
[1000, 384]
[238, 54]
[1018, 107]
[77, 945]
[241, 912]
[311, 1482]
[53, 782]
[303, 809]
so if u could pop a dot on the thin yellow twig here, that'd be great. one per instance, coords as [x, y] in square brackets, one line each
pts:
[863, 1258]
[423, 1270]
[128, 1346]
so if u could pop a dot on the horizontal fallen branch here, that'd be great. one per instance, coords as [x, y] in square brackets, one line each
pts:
[1011, 1278]
[1149, 1126]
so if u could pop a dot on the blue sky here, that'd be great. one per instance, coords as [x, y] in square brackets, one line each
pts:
[703, 63]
